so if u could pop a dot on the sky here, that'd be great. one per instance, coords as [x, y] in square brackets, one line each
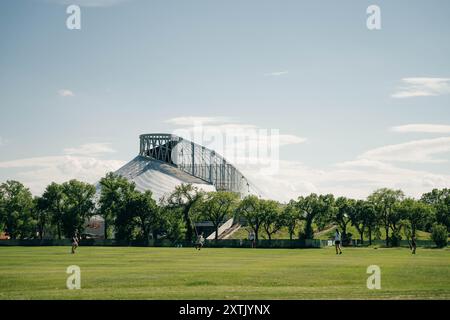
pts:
[351, 109]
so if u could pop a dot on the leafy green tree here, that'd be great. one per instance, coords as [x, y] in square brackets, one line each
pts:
[42, 216]
[439, 235]
[440, 200]
[16, 206]
[291, 218]
[344, 210]
[384, 201]
[249, 208]
[363, 218]
[217, 207]
[51, 202]
[78, 205]
[173, 225]
[272, 218]
[145, 213]
[185, 197]
[314, 207]
[416, 212]
[115, 192]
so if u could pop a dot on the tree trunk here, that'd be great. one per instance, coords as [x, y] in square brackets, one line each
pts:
[188, 225]
[370, 236]
[59, 230]
[106, 229]
[387, 235]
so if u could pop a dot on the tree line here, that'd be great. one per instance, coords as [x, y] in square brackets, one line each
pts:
[129, 214]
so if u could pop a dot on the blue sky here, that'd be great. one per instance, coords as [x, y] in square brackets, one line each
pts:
[357, 109]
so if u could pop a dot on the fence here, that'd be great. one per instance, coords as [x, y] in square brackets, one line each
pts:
[224, 243]
[227, 243]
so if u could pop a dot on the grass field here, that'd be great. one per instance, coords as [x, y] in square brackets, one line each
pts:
[184, 273]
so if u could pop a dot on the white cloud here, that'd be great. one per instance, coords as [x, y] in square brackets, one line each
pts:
[422, 128]
[419, 151]
[79, 163]
[239, 143]
[90, 149]
[356, 179]
[90, 3]
[276, 73]
[423, 87]
[66, 93]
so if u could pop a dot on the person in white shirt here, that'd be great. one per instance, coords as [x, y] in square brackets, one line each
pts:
[337, 242]
[200, 242]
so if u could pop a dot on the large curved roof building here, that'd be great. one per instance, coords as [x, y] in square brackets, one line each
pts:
[166, 161]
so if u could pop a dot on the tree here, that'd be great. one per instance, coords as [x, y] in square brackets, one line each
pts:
[145, 213]
[217, 207]
[363, 218]
[416, 212]
[185, 197]
[384, 201]
[439, 235]
[114, 194]
[249, 208]
[272, 219]
[42, 216]
[78, 205]
[291, 218]
[345, 209]
[173, 225]
[51, 202]
[314, 207]
[16, 205]
[440, 200]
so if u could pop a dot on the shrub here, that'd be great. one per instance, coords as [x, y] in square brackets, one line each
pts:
[439, 235]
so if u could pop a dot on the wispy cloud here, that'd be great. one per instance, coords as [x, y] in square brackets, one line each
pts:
[419, 151]
[423, 87]
[81, 163]
[422, 128]
[239, 143]
[276, 73]
[90, 3]
[90, 149]
[66, 93]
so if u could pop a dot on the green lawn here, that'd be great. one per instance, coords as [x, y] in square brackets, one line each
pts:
[184, 273]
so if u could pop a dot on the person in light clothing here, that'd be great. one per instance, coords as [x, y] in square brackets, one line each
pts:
[337, 242]
[251, 237]
[200, 242]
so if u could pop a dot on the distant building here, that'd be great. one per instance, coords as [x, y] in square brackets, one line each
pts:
[166, 161]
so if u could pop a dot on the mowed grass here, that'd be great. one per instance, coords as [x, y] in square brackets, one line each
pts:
[184, 273]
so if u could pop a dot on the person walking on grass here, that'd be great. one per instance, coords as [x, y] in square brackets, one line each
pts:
[337, 242]
[200, 242]
[251, 237]
[75, 241]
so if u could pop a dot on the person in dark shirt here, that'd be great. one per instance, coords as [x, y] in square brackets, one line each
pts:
[75, 241]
